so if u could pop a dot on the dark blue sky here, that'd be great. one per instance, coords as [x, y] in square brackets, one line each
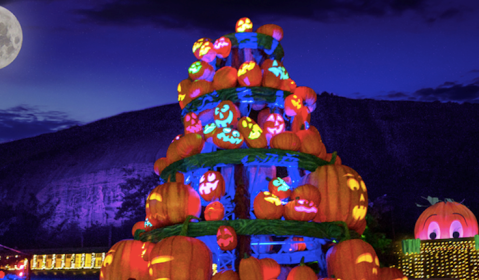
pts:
[86, 60]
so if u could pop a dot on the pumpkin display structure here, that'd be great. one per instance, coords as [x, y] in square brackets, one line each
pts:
[226, 238]
[212, 185]
[446, 220]
[124, 260]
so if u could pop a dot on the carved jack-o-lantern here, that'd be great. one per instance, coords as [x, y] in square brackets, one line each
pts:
[226, 238]
[197, 46]
[252, 133]
[279, 187]
[212, 185]
[209, 132]
[273, 125]
[352, 259]
[267, 206]
[293, 105]
[273, 73]
[201, 70]
[249, 74]
[244, 25]
[344, 195]
[445, 220]
[300, 210]
[214, 211]
[207, 52]
[226, 114]
[222, 47]
[192, 124]
[183, 93]
[228, 138]
[124, 261]
[308, 192]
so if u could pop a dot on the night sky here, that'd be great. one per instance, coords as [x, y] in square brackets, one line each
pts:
[86, 60]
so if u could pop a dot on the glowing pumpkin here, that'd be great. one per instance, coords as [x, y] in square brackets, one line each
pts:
[192, 124]
[197, 46]
[250, 269]
[222, 46]
[159, 165]
[308, 192]
[244, 25]
[199, 88]
[267, 206]
[180, 257]
[352, 259]
[201, 70]
[172, 202]
[209, 132]
[391, 273]
[225, 77]
[226, 114]
[293, 105]
[344, 196]
[226, 238]
[309, 97]
[207, 52]
[214, 211]
[271, 269]
[124, 261]
[183, 92]
[249, 74]
[272, 125]
[252, 133]
[302, 272]
[272, 30]
[228, 138]
[273, 73]
[212, 185]
[279, 187]
[445, 220]
[285, 141]
[300, 210]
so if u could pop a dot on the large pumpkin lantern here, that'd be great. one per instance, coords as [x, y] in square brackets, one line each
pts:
[344, 196]
[352, 259]
[226, 114]
[172, 202]
[212, 185]
[445, 220]
[124, 260]
[226, 238]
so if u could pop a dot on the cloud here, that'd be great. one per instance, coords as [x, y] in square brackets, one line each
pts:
[448, 91]
[215, 14]
[24, 121]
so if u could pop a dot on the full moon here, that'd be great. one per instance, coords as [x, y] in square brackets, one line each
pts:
[11, 37]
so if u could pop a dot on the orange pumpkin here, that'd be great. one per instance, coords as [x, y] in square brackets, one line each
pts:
[288, 85]
[272, 124]
[300, 210]
[391, 273]
[159, 165]
[136, 226]
[445, 220]
[207, 52]
[329, 157]
[227, 114]
[273, 73]
[227, 138]
[225, 77]
[188, 145]
[226, 238]
[267, 206]
[201, 70]
[226, 275]
[352, 259]
[199, 88]
[250, 269]
[249, 74]
[244, 24]
[197, 46]
[293, 105]
[252, 133]
[302, 272]
[124, 261]
[310, 142]
[272, 30]
[214, 211]
[271, 269]
[279, 187]
[172, 202]
[309, 97]
[211, 185]
[285, 141]
[180, 257]
[222, 47]
[192, 124]
[308, 192]
[183, 92]
[344, 196]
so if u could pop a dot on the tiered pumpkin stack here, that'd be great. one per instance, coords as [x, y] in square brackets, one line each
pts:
[256, 175]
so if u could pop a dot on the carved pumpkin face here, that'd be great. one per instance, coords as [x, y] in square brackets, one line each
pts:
[214, 211]
[280, 188]
[197, 45]
[353, 259]
[244, 25]
[300, 210]
[201, 70]
[445, 220]
[209, 131]
[249, 74]
[228, 138]
[226, 238]
[293, 104]
[222, 46]
[207, 52]
[212, 185]
[226, 114]
[252, 133]
[267, 206]
[192, 124]
[356, 184]
[183, 90]
[124, 261]
[274, 124]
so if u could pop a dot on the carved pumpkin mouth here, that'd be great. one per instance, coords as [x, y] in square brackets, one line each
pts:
[225, 116]
[225, 241]
[255, 133]
[305, 207]
[229, 135]
[276, 130]
[194, 128]
[359, 212]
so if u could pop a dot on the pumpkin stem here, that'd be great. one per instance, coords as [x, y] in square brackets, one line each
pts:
[333, 157]
[245, 256]
[302, 262]
[184, 228]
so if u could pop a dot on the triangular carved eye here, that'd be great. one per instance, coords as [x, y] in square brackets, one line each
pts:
[366, 257]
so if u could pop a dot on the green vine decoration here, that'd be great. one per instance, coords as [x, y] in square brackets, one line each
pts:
[258, 95]
[264, 42]
[245, 156]
[326, 230]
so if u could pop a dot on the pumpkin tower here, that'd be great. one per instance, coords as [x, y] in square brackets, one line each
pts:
[254, 172]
